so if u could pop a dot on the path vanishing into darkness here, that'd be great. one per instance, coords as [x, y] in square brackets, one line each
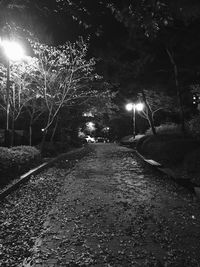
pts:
[113, 210]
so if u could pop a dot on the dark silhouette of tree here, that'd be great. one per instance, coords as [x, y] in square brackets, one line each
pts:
[166, 26]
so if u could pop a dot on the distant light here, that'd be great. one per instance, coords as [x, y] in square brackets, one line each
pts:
[194, 97]
[90, 126]
[129, 106]
[88, 114]
[13, 50]
[139, 106]
[106, 129]
[42, 130]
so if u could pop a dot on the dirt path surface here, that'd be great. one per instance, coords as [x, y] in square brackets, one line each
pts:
[115, 211]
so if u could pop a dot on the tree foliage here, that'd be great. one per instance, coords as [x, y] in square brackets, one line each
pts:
[64, 76]
[158, 100]
[55, 79]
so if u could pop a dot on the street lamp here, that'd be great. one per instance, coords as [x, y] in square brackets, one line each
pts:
[133, 107]
[90, 127]
[13, 52]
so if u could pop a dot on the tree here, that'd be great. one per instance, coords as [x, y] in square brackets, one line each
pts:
[154, 102]
[24, 97]
[53, 16]
[64, 77]
[19, 94]
[168, 28]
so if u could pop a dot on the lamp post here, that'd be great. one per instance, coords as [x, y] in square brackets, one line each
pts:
[133, 107]
[7, 94]
[13, 52]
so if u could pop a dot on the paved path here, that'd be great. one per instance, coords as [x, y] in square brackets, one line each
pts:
[115, 211]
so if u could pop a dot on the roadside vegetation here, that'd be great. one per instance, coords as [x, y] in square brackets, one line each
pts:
[52, 96]
[43, 100]
[16, 161]
[171, 148]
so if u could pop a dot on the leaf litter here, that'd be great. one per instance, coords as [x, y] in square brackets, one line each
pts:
[120, 218]
[23, 213]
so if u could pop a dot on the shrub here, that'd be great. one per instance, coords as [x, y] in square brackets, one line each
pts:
[167, 128]
[175, 150]
[167, 149]
[129, 140]
[27, 153]
[191, 166]
[150, 143]
[192, 161]
[194, 126]
[49, 149]
[76, 142]
[53, 149]
[14, 161]
[140, 143]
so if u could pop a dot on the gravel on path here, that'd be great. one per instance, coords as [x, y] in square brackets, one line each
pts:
[115, 211]
[24, 211]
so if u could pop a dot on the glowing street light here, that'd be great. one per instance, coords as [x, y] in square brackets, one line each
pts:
[133, 107]
[13, 52]
[90, 126]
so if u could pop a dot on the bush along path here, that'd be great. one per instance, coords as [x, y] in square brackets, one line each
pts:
[16, 182]
[113, 210]
[23, 212]
[15, 161]
[192, 187]
[177, 158]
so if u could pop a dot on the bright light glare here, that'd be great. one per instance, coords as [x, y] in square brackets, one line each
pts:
[90, 126]
[139, 106]
[129, 106]
[88, 114]
[13, 50]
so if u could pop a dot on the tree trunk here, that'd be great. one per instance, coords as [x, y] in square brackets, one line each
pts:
[43, 141]
[30, 135]
[13, 116]
[13, 130]
[149, 114]
[178, 89]
[30, 130]
[151, 123]
[54, 130]
[7, 133]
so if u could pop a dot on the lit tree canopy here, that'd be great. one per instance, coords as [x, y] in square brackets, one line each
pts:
[64, 76]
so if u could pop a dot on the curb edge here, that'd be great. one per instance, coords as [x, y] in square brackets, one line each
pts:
[166, 171]
[26, 176]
